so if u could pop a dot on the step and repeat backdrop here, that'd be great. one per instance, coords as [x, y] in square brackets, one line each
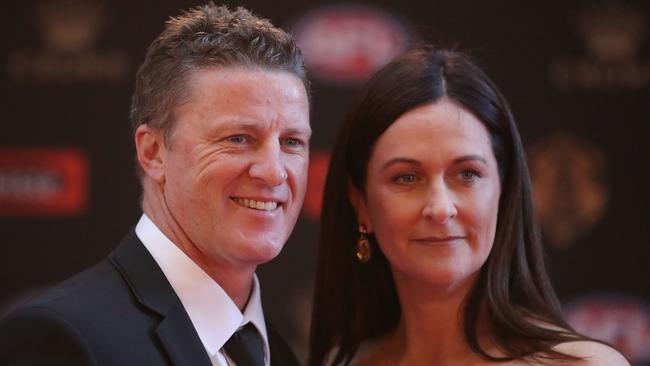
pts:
[577, 74]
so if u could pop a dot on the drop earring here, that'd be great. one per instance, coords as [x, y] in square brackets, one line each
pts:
[363, 252]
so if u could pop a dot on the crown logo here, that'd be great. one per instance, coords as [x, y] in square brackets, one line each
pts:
[70, 26]
[613, 33]
[70, 53]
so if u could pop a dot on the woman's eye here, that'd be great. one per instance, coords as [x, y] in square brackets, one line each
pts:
[406, 178]
[469, 175]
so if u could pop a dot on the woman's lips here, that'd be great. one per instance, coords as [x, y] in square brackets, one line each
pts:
[439, 239]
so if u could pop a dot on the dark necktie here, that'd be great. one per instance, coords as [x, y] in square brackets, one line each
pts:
[246, 347]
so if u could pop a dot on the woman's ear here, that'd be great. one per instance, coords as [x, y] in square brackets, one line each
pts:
[150, 149]
[358, 202]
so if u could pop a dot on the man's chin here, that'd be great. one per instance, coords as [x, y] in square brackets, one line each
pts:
[260, 252]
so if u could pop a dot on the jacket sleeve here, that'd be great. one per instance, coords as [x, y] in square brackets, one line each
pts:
[39, 336]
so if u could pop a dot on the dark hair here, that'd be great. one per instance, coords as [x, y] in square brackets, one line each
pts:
[206, 36]
[354, 301]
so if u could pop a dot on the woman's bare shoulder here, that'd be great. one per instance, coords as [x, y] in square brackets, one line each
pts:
[593, 353]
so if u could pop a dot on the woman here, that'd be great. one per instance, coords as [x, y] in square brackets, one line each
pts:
[429, 253]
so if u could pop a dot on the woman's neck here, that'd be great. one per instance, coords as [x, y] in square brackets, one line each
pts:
[430, 331]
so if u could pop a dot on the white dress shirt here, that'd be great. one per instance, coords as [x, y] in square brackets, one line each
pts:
[212, 312]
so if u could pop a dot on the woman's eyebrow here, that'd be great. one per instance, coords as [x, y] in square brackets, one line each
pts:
[465, 158]
[400, 160]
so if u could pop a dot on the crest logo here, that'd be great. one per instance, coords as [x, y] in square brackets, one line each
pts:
[69, 31]
[348, 43]
[612, 34]
[569, 190]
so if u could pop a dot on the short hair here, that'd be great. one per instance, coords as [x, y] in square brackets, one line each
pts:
[206, 36]
[355, 301]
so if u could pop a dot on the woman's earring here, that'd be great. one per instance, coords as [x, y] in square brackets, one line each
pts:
[364, 252]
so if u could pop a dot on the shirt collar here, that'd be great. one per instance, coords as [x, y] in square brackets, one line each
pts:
[212, 312]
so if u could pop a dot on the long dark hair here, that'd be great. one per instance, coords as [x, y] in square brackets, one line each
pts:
[354, 301]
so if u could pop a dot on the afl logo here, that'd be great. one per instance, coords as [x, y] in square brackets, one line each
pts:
[345, 44]
[621, 320]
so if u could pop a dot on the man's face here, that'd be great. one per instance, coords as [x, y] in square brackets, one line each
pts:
[236, 163]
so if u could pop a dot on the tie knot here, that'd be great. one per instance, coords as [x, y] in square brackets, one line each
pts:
[246, 347]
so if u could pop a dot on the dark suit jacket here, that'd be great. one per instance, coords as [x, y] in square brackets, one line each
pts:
[122, 311]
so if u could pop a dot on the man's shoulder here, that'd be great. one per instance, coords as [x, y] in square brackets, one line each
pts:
[95, 288]
[58, 322]
[87, 298]
[93, 315]
[83, 287]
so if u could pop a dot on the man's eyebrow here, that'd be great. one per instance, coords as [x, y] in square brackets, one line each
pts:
[298, 131]
[255, 127]
[400, 161]
[243, 125]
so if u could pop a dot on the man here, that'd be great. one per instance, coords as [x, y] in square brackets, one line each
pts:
[221, 118]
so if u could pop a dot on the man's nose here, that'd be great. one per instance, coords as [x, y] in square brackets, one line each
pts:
[268, 166]
[439, 205]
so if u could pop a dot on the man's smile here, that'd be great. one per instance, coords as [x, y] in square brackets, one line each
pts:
[257, 205]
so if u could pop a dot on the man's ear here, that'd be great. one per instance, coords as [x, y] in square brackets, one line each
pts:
[150, 148]
[358, 202]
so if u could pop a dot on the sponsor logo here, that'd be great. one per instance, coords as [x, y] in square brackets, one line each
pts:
[69, 30]
[623, 321]
[569, 190]
[318, 165]
[348, 43]
[42, 182]
[613, 34]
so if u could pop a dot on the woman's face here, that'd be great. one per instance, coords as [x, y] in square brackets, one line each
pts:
[432, 195]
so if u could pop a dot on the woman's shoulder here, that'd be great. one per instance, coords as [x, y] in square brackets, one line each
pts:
[593, 353]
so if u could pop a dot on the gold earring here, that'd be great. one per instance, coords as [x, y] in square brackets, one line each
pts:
[364, 252]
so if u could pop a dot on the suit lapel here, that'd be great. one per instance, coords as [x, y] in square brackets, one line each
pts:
[151, 288]
[180, 339]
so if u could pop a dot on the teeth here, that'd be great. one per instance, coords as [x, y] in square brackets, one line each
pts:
[258, 205]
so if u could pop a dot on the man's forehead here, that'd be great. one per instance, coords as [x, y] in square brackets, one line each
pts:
[247, 98]
[236, 73]
[236, 84]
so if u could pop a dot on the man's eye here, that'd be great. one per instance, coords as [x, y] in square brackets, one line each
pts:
[291, 142]
[237, 139]
[406, 178]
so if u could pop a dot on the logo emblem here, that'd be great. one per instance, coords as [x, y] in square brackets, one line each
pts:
[568, 187]
[42, 182]
[69, 30]
[612, 34]
[345, 44]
